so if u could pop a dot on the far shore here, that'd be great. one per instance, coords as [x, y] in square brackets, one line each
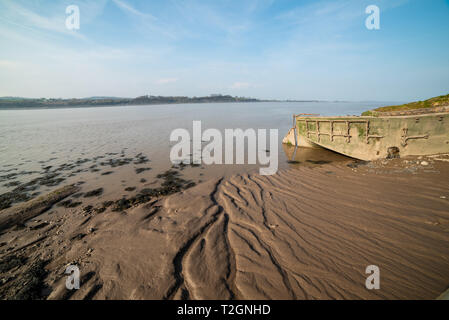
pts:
[13, 103]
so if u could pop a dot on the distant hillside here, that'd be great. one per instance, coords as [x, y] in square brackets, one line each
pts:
[14, 102]
[436, 102]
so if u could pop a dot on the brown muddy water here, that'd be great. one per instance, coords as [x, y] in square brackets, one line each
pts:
[123, 149]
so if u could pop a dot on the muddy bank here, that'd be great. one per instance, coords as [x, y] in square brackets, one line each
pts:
[304, 233]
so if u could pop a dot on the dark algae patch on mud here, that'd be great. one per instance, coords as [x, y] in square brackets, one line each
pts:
[94, 193]
[23, 212]
[140, 170]
[28, 284]
[52, 175]
[172, 183]
[69, 203]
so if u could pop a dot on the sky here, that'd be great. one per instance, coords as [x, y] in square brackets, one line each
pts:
[267, 49]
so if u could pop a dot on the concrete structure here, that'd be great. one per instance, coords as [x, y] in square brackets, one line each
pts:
[370, 138]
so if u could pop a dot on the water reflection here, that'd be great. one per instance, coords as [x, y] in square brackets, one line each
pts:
[312, 156]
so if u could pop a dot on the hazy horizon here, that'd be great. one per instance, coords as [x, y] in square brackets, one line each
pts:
[264, 49]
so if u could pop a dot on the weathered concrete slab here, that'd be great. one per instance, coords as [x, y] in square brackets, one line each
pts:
[370, 138]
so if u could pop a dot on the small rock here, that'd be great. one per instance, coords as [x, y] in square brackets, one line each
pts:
[424, 163]
[443, 197]
[91, 230]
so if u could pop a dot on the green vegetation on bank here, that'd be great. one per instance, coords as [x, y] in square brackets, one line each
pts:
[14, 102]
[430, 103]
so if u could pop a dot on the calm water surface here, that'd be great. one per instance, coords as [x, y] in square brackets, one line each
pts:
[35, 138]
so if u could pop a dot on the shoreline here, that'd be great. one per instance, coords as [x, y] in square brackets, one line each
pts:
[304, 233]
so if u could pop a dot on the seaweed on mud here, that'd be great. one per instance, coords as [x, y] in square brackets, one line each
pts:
[10, 262]
[94, 193]
[5, 203]
[88, 209]
[78, 195]
[141, 159]
[69, 204]
[51, 176]
[12, 184]
[116, 162]
[140, 170]
[107, 204]
[49, 180]
[171, 184]
[82, 161]
[28, 285]
[100, 210]
[7, 199]
[14, 175]
[8, 176]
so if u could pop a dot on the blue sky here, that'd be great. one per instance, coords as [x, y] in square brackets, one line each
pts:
[281, 49]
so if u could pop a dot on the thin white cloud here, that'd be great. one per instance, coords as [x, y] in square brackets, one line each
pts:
[167, 80]
[130, 9]
[241, 85]
[17, 15]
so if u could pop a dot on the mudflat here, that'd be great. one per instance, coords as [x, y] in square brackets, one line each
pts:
[305, 233]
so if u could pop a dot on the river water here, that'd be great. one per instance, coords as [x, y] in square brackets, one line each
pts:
[34, 139]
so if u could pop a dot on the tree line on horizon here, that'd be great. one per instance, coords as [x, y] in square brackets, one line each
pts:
[15, 102]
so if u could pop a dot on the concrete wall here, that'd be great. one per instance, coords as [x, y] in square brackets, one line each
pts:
[369, 138]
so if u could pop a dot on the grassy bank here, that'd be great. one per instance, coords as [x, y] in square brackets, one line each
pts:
[430, 103]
